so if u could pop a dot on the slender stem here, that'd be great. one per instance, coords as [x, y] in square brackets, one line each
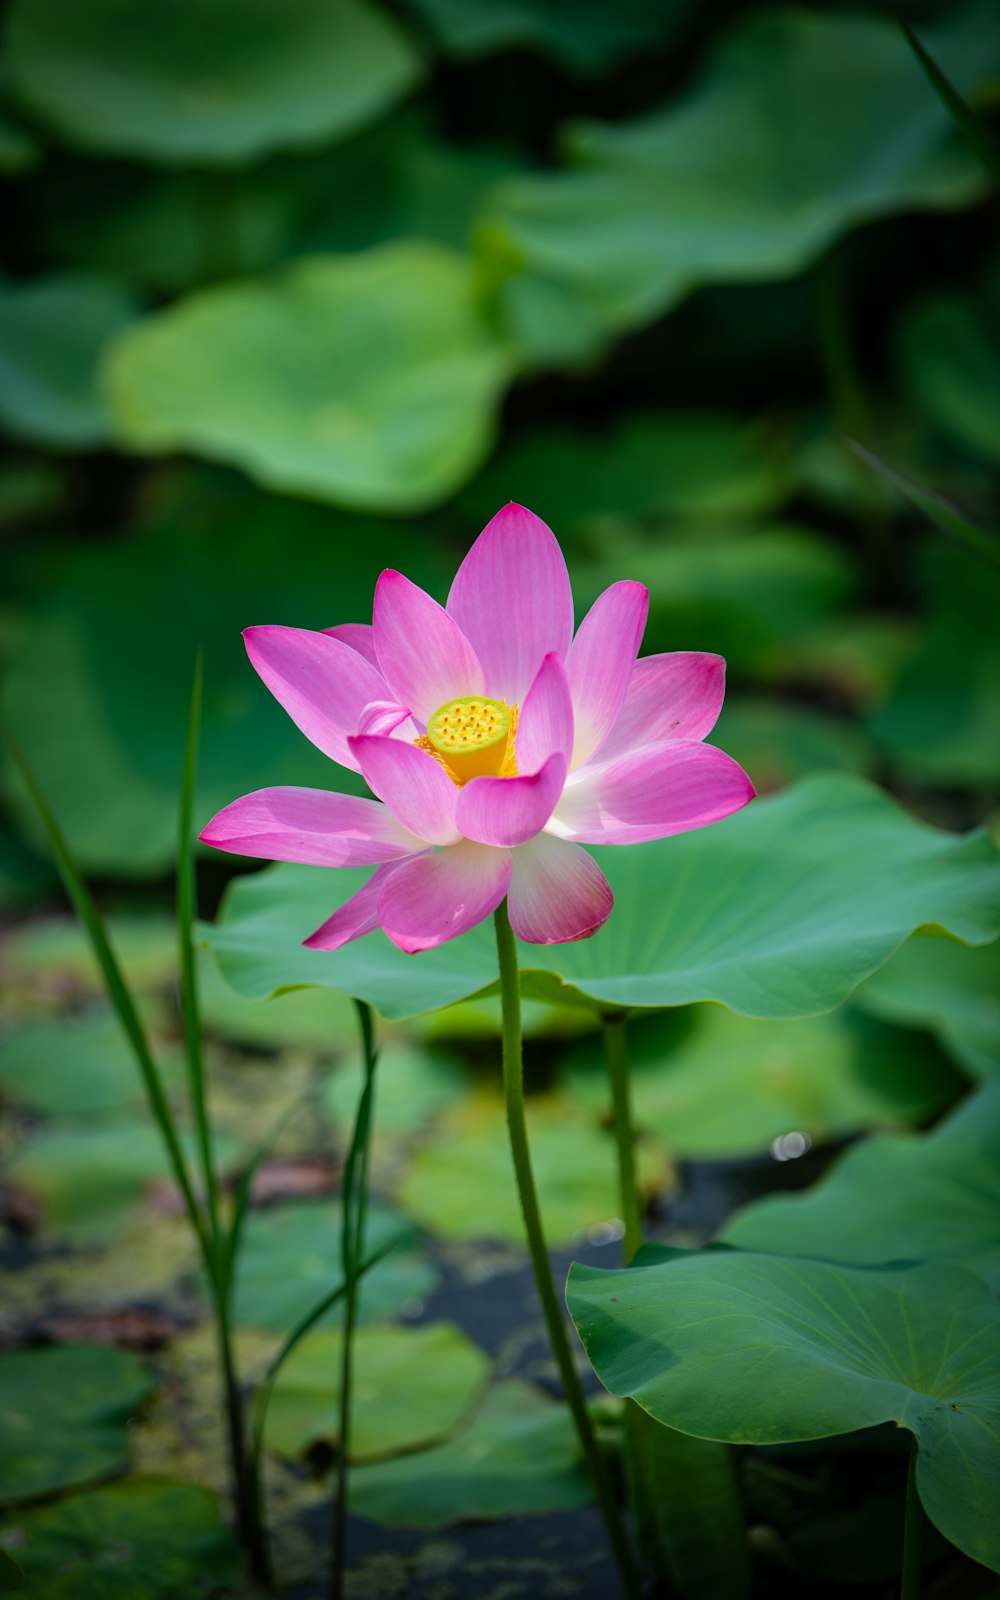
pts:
[643, 1436]
[354, 1206]
[513, 1078]
[910, 1583]
[616, 1055]
[248, 1505]
[186, 909]
[265, 1389]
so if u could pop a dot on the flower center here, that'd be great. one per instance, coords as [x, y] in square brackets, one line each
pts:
[473, 737]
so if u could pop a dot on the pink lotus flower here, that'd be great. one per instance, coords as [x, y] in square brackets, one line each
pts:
[498, 745]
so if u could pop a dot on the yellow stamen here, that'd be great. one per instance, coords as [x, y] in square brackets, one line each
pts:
[473, 737]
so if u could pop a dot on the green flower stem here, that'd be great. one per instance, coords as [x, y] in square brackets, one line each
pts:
[644, 1439]
[265, 1388]
[354, 1207]
[910, 1582]
[186, 912]
[249, 1520]
[513, 1077]
[220, 1259]
[616, 1055]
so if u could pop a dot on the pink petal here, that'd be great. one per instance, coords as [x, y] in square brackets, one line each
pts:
[650, 793]
[356, 917]
[312, 826]
[601, 660]
[423, 653]
[359, 635]
[413, 785]
[432, 898]
[385, 716]
[546, 721]
[674, 696]
[322, 683]
[507, 811]
[557, 892]
[511, 597]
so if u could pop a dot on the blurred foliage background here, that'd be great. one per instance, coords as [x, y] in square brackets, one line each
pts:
[295, 298]
[294, 290]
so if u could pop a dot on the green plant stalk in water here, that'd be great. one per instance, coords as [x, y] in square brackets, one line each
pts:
[685, 1500]
[354, 1208]
[912, 1568]
[513, 1079]
[615, 1029]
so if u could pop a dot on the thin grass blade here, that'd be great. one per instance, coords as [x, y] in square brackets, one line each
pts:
[309, 1321]
[971, 126]
[940, 511]
[121, 999]
[186, 912]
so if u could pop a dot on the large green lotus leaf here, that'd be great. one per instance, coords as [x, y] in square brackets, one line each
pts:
[69, 1066]
[64, 1413]
[52, 333]
[371, 381]
[952, 989]
[782, 742]
[670, 463]
[107, 743]
[318, 1019]
[950, 355]
[412, 1386]
[587, 35]
[909, 1197]
[780, 911]
[743, 179]
[460, 1184]
[756, 1349]
[519, 1455]
[265, 917]
[471, 1022]
[941, 723]
[290, 1257]
[147, 1539]
[87, 1183]
[411, 1086]
[115, 77]
[725, 1085]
